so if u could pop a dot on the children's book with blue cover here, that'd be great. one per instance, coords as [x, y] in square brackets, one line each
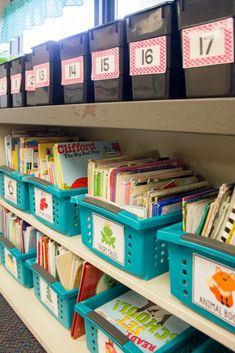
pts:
[143, 322]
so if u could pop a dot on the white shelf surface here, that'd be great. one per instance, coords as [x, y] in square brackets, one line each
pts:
[49, 332]
[204, 116]
[157, 290]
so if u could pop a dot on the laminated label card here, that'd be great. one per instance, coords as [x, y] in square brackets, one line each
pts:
[49, 297]
[10, 189]
[10, 262]
[43, 205]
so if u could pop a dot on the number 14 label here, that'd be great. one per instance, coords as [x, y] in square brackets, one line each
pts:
[72, 71]
[210, 44]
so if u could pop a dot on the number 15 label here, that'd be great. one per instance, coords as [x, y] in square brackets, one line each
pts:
[210, 44]
[105, 64]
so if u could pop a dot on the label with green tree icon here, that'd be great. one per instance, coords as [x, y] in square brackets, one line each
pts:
[49, 297]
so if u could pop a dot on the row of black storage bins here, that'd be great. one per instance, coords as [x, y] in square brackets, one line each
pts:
[137, 58]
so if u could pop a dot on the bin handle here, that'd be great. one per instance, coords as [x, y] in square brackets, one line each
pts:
[7, 242]
[7, 169]
[40, 181]
[210, 243]
[48, 277]
[108, 327]
[102, 204]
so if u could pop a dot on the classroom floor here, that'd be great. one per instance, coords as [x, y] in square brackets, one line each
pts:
[14, 335]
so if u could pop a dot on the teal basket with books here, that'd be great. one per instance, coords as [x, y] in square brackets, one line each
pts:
[202, 274]
[15, 262]
[51, 206]
[50, 292]
[123, 239]
[13, 188]
[119, 320]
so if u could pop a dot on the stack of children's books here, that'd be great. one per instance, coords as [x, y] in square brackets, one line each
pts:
[52, 156]
[143, 183]
[211, 213]
[18, 232]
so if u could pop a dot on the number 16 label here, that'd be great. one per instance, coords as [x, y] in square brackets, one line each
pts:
[148, 57]
[210, 44]
[105, 64]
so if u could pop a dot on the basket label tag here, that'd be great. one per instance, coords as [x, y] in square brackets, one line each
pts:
[105, 65]
[213, 288]
[3, 86]
[10, 262]
[29, 81]
[148, 57]
[209, 44]
[42, 75]
[43, 205]
[105, 344]
[16, 83]
[108, 238]
[10, 189]
[49, 297]
[73, 71]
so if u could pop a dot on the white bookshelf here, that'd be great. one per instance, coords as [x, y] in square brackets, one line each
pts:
[156, 290]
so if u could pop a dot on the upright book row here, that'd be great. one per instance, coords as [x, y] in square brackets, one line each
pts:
[139, 58]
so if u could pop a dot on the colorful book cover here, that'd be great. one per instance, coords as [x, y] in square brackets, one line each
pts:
[145, 324]
[72, 160]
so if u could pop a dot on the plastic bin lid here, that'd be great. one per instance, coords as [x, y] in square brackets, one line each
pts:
[152, 22]
[110, 35]
[195, 12]
[74, 46]
[45, 52]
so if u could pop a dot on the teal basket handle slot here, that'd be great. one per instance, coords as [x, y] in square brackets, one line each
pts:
[47, 276]
[7, 243]
[4, 168]
[40, 181]
[118, 336]
[210, 243]
[102, 204]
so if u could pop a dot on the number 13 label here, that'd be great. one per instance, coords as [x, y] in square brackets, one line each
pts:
[148, 57]
[42, 75]
[105, 64]
[210, 44]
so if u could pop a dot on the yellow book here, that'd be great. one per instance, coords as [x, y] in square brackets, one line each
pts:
[44, 151]
[15, 158]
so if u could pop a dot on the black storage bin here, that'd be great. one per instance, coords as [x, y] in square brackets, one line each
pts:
[5, 86]
[155, 54]
[17, 76]
[110, 62]
[29, 81]
[76, 69]
[47, 74]
[207, 28]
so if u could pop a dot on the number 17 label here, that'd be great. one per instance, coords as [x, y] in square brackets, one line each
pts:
[210, 44]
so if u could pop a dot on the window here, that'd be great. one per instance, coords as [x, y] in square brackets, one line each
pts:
[125, 7]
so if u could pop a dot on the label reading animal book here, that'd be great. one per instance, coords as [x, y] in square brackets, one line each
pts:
[145, 324]
[10, 262]
[106, 345]
[49, 297]
[10, 189]
[214, 288]
[108, 238]
[43, 205]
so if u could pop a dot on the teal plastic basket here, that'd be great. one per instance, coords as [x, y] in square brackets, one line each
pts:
[52, 206]
[50, 292]
[13, 189]
[94, 322]
[15, 262]
[202, 274]
[211, 346]
[123, 239]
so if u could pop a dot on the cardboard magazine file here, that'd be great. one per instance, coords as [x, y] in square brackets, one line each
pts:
[123, 239]
[109, 56]
[15, 262]
[52, 206]
[207, 31]
[101, 333]
[76, 69]
[155, 53]
[29, 81]
[47, 73]
[50, 292]
[17, 77]
[13, 189]
[202, 274]
[5, 86]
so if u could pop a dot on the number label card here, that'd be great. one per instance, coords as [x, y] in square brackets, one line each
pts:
[105, 65]
[3, 86]
[148, 57]
[73, 71]
[16, 83]
[209, 44]
[10, 189]
[43, 205]
[42, 75]
[29, 81]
